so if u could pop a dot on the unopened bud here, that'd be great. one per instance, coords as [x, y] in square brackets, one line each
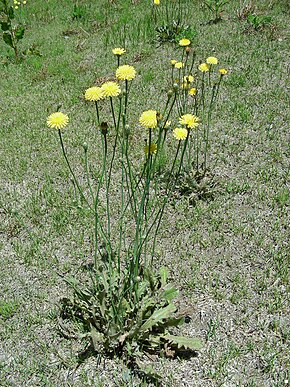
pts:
[187, 50]
[104, 127]
[85, 146]
[175, 87]
[170, 93]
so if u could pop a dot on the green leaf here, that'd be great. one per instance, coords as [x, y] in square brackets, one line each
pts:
[183, 342]
[5, 26]
[158, 316]
[163, 271]
[19, 33]
[97, 339]
[170, 293]
[8, 38]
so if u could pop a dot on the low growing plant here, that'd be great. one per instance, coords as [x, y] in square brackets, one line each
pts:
[216, 7]
[123, 305]
[12, 31]
[257, 22]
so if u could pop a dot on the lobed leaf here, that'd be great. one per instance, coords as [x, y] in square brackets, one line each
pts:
[183, 342]
[158, 316]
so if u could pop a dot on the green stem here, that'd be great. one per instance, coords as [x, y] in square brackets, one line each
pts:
[71, 171]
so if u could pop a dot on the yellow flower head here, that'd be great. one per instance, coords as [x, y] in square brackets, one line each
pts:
[125, 73]
[148, 119]
[179, 65]
[156, 2]
[223, 71]
[189, 120]
[180, 133]
[153, 149]
[203, 67]
[173, 62]
[188, 78]
[118, 51]
[94, 94]
[185, 85]
[57, 120]
[184, 42]
[211, 60]
[24, 2]
[111, 89]
[192, 91]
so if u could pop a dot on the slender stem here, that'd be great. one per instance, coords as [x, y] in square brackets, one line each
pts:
[71, 171]
[97, 110]
[87, 174]
[113, 113]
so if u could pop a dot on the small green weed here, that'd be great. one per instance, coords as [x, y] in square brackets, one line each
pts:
[258, 22]
[8, 309]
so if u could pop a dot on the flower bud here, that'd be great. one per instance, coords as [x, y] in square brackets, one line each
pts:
[187, 50]
[85, 146]
[175, 87]
[104, 128]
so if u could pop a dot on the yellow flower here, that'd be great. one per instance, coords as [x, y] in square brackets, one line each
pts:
[203, 67]
[212, 60]
[179, 65]
[156, 2]
[24, 2]
[111, 89]
[57, 120]
[184, 42]
[189, 120]
[192, 91]
[16, 7]
[185, 85]
[94, 94]
[223, 71]
[153, 149]
[148, 119]
[188, 78]
[118, 51]
[125, 73]
[180, 133]
[173, 62]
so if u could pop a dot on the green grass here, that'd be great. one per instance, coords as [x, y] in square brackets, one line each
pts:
[229, 256]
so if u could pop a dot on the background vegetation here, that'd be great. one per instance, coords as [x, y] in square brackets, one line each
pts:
[228, 253]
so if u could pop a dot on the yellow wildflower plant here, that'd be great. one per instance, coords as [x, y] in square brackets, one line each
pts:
[153, 149]
[118, 51]
[111, 89]
[156, 2]
[57, 120]
[94, 94]
[180, 133]
[125, 73]
[189, 120]
[188, 78]
[223, 71]
[203, 67]
[212, 60]
[192, 91]
[179, 65]
[184, 42]
[148, 119]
